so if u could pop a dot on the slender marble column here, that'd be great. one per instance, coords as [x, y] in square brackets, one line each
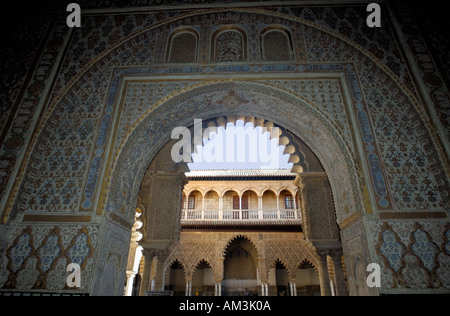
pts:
[325, 288]
[339, 280]
[130, 280]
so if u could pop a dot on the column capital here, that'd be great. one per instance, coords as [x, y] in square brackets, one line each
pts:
[323, 253]
[326, 244]
[160, 249]
[336, 254]
[130, 273]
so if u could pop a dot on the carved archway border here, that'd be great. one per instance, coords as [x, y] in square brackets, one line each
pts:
[240, 237]
[286, 139]
[336, 155]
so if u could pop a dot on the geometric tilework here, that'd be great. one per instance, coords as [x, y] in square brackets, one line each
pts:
[326, 95]
[407, 152]
[80, 249]
[413, 254]
[49, 251]
[392, 249]
[59, 165]
[424, 248]
[38, 256]
[99, 33]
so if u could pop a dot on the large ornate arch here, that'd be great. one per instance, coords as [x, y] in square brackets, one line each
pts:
[116, 197]
[201, 100]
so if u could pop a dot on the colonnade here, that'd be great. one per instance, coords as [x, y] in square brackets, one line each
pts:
[155, 269]
[221, 197]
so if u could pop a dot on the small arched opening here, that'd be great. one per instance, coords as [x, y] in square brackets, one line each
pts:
[175, 279]
[307, 280]
[240, 272]
[203, 280]
[281, 280]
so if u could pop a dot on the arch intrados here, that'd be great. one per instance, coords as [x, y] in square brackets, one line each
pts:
[268, 191]
[308, 262]
[289, 191]
[252, 190]
[203, 261]
[170, 267]
[278, 261]
[291, 148]
[246, 245]
[183, 30]
[174, 262]
[212, 190]
[190, 192]
[238, 238]
[232, 191]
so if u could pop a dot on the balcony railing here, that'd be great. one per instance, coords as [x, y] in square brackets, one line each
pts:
[241, 215]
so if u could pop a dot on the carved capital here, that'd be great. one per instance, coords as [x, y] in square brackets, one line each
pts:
[336, 254]
[323, 253]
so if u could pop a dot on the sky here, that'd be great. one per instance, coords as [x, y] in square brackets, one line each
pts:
[239, 147]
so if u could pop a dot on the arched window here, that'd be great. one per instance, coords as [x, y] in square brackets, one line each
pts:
[289, 200]
[276, 45]
[229, 45]
[183, 47]
[191, 202]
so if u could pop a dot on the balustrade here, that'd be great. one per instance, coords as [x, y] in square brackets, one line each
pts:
[244, 215]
